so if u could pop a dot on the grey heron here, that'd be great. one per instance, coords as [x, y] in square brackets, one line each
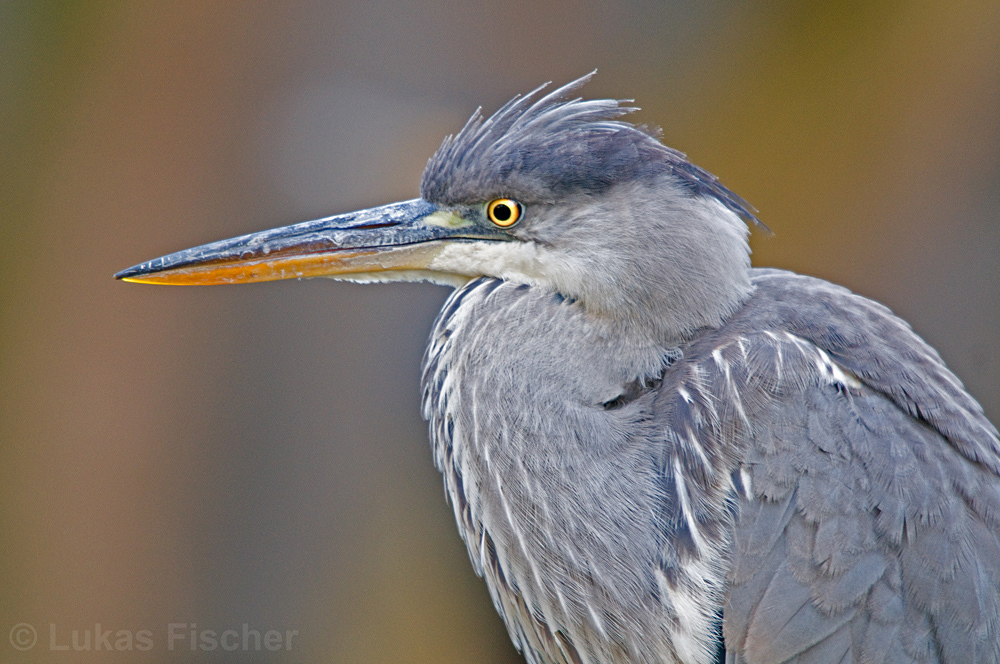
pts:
[655, 452]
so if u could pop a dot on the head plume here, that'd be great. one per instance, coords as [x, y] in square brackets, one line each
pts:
[541, 148]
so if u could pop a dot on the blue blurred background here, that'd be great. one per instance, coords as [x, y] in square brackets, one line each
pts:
[255, 454]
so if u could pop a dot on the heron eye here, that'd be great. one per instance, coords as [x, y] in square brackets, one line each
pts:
[504, 212]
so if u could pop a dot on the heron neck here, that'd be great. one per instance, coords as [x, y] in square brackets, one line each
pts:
[691, 271]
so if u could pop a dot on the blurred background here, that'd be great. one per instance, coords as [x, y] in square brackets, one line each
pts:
[254, 455]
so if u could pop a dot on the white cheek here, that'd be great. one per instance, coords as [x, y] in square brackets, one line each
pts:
[516, 261]
[519, 262]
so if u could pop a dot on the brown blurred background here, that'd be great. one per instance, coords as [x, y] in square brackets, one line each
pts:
[255, 455]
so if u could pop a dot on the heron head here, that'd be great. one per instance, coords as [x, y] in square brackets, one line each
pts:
[554, 192]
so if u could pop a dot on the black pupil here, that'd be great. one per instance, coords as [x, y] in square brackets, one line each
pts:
[502, 212]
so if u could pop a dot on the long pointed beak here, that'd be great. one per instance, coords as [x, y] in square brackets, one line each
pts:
[400, 239]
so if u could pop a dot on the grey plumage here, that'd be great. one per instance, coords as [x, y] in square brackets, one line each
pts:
[862, 529]
[656, 453]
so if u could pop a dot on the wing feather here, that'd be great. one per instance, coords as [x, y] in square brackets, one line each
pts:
[872, 534]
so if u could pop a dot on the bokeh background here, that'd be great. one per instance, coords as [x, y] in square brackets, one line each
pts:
[255, 454]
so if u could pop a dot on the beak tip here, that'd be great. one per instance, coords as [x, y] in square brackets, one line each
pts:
[143, 273]
[130, 274]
